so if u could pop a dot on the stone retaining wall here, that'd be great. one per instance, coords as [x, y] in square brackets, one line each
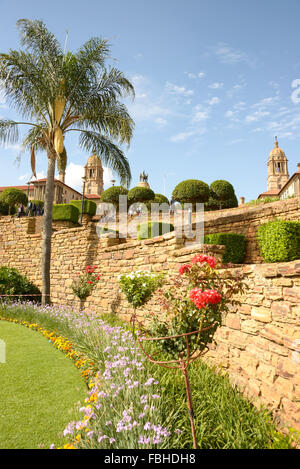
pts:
[259, 343]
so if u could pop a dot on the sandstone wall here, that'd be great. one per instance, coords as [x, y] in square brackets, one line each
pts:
[245, 220]
[259, 343]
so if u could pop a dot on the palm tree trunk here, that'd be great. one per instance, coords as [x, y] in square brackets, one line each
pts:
[47, 227]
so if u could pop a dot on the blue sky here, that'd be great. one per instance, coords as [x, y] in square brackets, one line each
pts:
[215, 82]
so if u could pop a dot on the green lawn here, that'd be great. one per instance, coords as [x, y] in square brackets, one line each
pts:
[39, 389]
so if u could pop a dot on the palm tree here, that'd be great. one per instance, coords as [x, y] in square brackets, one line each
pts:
[57, 92]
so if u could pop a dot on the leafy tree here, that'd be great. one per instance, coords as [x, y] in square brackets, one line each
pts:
[140, 195]
[191, 191]
[160, 199]
[13, 197]
[58, 92]
[111, 195]
[222, 195]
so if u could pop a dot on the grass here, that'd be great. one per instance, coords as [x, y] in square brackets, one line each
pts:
[224, 418]
[39, 388]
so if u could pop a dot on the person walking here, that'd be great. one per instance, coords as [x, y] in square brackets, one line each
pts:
[29, 208]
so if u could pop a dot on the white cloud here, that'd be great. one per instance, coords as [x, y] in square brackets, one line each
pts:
[229, 55]
[138, 56]
[195, 75]
[214, 100]
[216, 86]
[263, 103]
[160, 121]
[178, 90]
[256, 116]
[74, 173]
[200, 114]
[182, 136]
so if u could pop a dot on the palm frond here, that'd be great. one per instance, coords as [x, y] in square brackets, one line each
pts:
[9, 131]
[110, 154]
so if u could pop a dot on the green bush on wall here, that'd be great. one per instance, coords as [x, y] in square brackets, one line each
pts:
[235, 246]
[89, 206]
[279, 240]
[65, 212]
[152, 229]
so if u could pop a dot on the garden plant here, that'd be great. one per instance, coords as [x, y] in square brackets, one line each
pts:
[193, 312]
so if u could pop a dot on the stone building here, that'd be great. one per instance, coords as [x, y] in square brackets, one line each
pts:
[279, 183]
[278, 174]
[93, 174]
[292, 186]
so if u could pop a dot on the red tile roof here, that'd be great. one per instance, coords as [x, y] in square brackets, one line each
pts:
[270, 193]
[22, 188]
[92, 196]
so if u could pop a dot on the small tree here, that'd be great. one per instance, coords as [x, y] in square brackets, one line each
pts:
[111, 195]
[140, 195]
[13, 197]
[222, 195]
[191, 191]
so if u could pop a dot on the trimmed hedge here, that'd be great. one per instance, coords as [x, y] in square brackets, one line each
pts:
[235, 246]
[14, 283]
[89, 206]
[279, 240]
[152, 229]
[65, 212]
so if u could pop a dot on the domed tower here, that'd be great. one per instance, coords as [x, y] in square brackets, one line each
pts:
[277, 168]
[93, 173]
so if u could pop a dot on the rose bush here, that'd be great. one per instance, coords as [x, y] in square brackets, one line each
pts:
[82, 287]
[197, 301]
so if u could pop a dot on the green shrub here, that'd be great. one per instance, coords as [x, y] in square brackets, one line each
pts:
[160, 199]
[65, 212]
[279, 240]
[152, 229]
[111, 195]
[89, 206]
[140, 194]
[265, 200]
[14, 283]
[235, 246]
[4, 208]
[191, 191]
[222, 196]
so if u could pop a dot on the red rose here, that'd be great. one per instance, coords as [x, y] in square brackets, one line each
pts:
[184, 268]
[202, 258]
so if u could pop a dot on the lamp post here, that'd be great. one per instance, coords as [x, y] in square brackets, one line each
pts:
[83, 188]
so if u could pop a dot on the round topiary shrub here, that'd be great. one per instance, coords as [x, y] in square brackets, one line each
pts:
[111, 195]
[191, 191]
[4, 208]
[13, 197]
[160, 199]
[140, 195]
[222, 195]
